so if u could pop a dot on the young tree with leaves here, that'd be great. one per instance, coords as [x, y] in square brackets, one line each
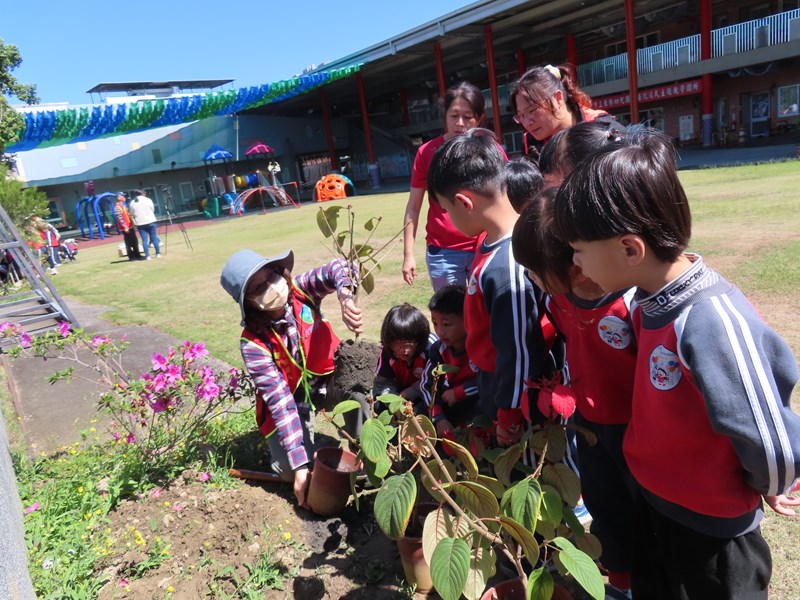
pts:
[11, 122]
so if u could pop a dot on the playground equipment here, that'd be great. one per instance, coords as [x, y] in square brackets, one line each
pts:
[333, 187]
[97, 205]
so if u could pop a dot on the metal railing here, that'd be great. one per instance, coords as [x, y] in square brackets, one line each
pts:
[742, 37]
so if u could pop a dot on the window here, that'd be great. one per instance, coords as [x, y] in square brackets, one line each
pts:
[513, 142]
[652, 118]
[156, 156]
[788, 100]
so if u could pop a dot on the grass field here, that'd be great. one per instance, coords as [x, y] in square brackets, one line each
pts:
[746, 224]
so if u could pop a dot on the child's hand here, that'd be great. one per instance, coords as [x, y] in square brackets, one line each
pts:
[780, 504]
[443, 427]
[351, 315]
[449, 397]
[302, 479]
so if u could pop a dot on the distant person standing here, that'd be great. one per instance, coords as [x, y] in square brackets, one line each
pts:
[125, 224]
[144, 217]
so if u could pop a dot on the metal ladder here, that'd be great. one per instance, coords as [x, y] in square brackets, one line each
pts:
[39, 309]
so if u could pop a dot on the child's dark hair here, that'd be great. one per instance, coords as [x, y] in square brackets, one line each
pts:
[449, 300]
[536, 246]
[405, 322]
[629, 190]
[523, 182]
[471, 161]
[569, 146]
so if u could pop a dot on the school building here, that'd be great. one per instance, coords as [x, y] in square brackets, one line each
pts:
[706, 72]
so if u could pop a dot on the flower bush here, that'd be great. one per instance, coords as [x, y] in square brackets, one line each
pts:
[162, 415]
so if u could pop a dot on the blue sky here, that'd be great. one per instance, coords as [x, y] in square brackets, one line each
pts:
[69, 47]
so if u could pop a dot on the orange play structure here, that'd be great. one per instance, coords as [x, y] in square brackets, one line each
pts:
[331, 187]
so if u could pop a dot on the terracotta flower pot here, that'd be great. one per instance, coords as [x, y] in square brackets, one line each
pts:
[514, 590]
[415, 567]
[329, 489]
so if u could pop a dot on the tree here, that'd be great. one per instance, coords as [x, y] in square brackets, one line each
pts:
[11, 122]
[21, 204]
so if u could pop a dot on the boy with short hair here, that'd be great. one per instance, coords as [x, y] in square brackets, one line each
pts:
[457, 391]
[711, 429]
[502, 306]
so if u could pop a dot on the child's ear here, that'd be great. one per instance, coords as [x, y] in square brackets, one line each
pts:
[634, 248]
[465, 201]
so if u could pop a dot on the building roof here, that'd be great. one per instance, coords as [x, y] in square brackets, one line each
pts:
[145, 86]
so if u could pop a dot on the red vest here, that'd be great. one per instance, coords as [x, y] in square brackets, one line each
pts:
[318, 343]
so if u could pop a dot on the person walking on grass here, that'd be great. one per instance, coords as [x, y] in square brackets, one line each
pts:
[144, 217]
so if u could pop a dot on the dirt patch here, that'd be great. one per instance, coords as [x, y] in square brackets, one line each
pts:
[355, 366]
[193, 540]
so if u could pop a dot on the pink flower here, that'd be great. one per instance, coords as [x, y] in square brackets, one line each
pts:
[204, 477]
[177, 507]
[195, 351]
[98, 341]
[32, 507]
[124, 337]
[155, 493]
[64, 329]
[24, 340]
[174, 373]
[208, 391]
[116, 435]
[130, 439]
[123, 583]
[159, 362]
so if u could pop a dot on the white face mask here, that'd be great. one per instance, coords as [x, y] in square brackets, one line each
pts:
[274, 296]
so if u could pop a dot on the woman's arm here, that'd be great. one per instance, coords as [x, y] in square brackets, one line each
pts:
[413, 209]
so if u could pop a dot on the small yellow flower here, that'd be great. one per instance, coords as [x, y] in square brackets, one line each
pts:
[287, 536]
[92, 429]
[80, 489]
[93, 421]
[170, 589]
[166, 504]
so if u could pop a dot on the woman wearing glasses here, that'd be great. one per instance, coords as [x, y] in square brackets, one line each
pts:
[450, 253]
[546, 100]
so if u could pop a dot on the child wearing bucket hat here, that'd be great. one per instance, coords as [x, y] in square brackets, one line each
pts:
[288, 350]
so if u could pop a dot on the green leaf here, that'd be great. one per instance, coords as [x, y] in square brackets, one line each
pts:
[385, 417]
[492, 485]
[372, 223]
[552, 507]
[581, 567]
[440, 524]
[380, 468]
[374, 439]
[504, 464]
[482, 566]
[353, 478]
[574, 524]
[436, 471]
[363, 250]
[341, 239]
[368, 283]
[475, 498]
[449, 568]
[589, 544]
[410, 438]
[556, 440]
[564, 479]
[463, 455]
[540, 585]
[396, 403]
[444, 369]
[323, 226]
[394, 503]
[345, 406]
[525, 501]
[523, 537]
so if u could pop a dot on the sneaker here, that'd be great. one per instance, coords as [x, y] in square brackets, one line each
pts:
[52, 271]
[158, 256]
[148, 258]
[582, 513]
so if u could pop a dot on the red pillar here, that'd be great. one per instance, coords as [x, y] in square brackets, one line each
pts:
[521, 62]
[633, 75]
[437, 51]
[374, 175]
[326, 122]
[404, 106]
[706, 80]
[498, 131]
[572, 50]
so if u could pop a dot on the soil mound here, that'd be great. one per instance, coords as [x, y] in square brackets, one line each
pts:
[355, 362]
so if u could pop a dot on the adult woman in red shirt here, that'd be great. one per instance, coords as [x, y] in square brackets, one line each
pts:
[450, 253]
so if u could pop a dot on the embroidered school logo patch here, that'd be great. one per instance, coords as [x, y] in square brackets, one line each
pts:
[615, 332]
[306, 315]
[665, 369]
[472, 284]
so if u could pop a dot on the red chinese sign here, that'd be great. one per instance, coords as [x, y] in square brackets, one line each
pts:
[685, 88]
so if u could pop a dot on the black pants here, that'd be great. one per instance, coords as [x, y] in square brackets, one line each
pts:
[132, 244]
[674, 562]
[609, 492]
